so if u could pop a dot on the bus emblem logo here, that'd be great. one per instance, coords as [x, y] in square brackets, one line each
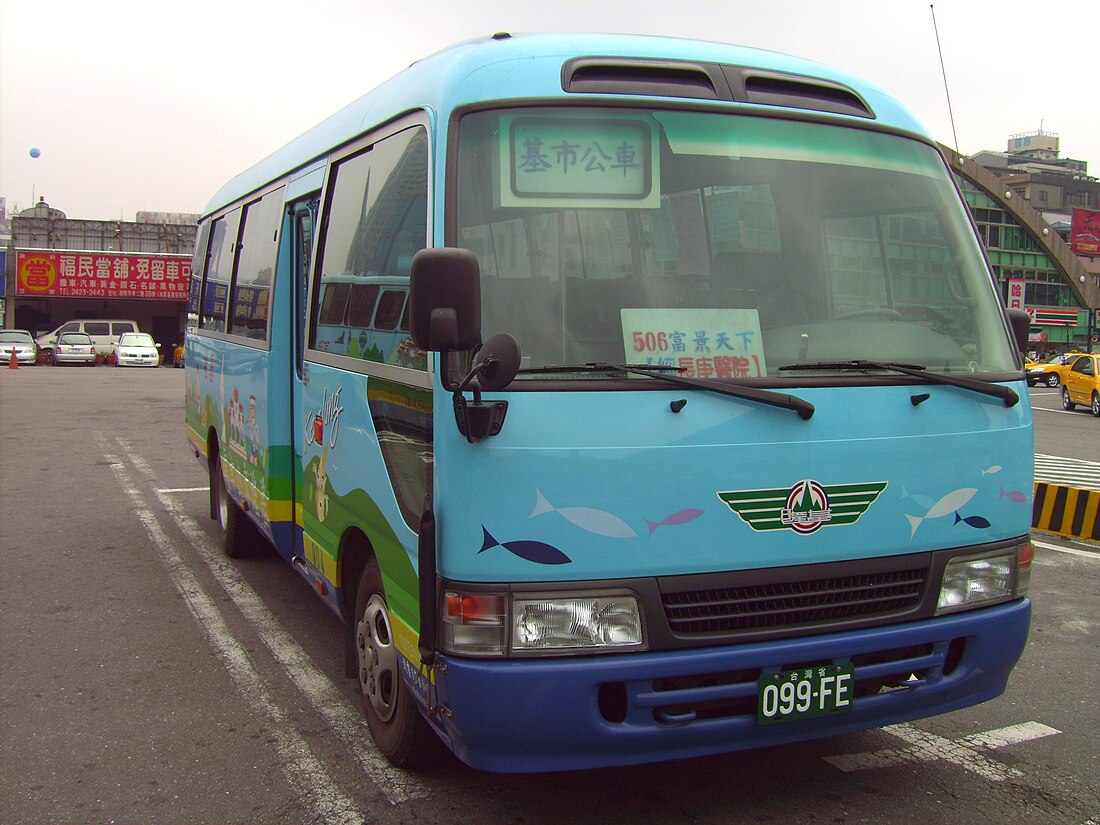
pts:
[805, 507]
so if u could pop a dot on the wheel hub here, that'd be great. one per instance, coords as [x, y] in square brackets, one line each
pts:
[378, 674]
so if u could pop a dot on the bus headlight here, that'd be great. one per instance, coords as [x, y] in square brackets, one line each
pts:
[591, 623]
[982, 579]
[530, 624]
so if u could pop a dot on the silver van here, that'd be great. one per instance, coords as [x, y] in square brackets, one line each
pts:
[104, 332]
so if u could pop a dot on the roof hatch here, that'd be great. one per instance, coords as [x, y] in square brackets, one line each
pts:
[709, 81]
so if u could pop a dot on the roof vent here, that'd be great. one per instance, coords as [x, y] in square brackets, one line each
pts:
[709, 81]
[658, 78]
[792, 91]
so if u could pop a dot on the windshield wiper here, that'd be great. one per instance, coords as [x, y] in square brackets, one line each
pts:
[1006, 394]
[774, 399]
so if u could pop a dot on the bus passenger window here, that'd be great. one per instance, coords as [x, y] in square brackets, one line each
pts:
[361, 307]
[219, 265]
[377, 219]
[334, 303]
[256, 266]
[389, 309]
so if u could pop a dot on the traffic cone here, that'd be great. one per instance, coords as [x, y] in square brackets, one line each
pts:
[13, 362]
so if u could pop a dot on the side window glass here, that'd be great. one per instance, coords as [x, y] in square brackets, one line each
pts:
[303, 252]
[361, 305]
[334, 303]
[389, 309]
[71, 327]
[121, 328]
[195, 293]
[376, 220]
[219, 267]
[255, 269]
[97, 328]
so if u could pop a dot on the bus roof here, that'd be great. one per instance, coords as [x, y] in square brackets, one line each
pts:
[526, 67]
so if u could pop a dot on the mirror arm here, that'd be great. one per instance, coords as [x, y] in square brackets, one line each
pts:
[477, 419]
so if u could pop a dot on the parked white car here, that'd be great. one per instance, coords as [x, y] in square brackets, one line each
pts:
[73, 348]
[19, 340]
[137, 349]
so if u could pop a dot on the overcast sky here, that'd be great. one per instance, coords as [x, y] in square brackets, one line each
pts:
[152, 105]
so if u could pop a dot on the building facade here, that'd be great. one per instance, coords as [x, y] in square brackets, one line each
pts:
[59, 269]
[1024, 201]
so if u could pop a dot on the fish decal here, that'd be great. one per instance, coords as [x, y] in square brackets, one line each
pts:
[587, 518]
[1013, 495]
[679, 517]
[977, 522]
[996, 468]
[535, 551]
[947, 505]
[921, 501]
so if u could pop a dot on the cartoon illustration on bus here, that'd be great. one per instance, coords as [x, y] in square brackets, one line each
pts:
[627, 398]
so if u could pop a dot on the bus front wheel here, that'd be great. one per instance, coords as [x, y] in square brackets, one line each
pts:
[400, 732]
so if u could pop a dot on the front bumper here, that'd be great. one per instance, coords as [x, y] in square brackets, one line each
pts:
[601, 711]
[137, 360]
[22, 356]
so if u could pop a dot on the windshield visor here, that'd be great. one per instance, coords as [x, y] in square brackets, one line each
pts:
[721, 245]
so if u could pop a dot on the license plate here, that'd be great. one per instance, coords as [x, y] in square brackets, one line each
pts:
[804, 693]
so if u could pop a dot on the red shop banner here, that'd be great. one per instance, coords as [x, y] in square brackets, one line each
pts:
[102, 275]
[1085, 232]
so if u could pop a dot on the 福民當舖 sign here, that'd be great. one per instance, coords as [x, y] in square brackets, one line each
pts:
[50, 274]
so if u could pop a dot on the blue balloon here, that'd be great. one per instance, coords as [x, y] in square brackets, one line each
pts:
[35, 151]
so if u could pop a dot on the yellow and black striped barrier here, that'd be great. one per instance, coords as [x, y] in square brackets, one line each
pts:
[1066, 511]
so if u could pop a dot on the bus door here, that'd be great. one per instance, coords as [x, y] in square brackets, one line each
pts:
[303, 217]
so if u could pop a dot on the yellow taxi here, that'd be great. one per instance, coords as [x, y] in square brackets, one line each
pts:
[1050, 371]
[1081, 384]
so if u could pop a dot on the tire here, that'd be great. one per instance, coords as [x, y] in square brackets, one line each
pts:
[1052, 379]
[1067, 405]
[237, 538]
[1095, 406]
[402, 735]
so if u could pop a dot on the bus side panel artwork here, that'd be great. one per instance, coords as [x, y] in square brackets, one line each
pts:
[233, 416]
[348, 491]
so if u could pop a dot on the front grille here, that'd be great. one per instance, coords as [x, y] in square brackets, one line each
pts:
[772, 606]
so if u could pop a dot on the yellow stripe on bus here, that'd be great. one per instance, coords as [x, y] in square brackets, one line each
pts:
[407, 642]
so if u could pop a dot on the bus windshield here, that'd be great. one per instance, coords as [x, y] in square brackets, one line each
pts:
[724, 246]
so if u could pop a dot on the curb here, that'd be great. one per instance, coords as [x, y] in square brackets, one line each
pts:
[1073, 512]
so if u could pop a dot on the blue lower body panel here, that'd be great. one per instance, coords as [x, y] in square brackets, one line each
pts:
[574, 713]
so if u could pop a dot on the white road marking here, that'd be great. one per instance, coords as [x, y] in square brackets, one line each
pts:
[185, 490]
[1054, 410]
[347, 723]
[305, 774]
[1072, 472]
[1084, 554]
[964, 752]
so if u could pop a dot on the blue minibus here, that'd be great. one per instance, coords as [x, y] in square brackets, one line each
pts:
[628, 398]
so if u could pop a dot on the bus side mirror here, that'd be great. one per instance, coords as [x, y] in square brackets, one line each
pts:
[1021, 327]
[445, 300]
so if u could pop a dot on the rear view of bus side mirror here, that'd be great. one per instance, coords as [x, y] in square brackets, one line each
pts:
[445, 300]
[1021, 326]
